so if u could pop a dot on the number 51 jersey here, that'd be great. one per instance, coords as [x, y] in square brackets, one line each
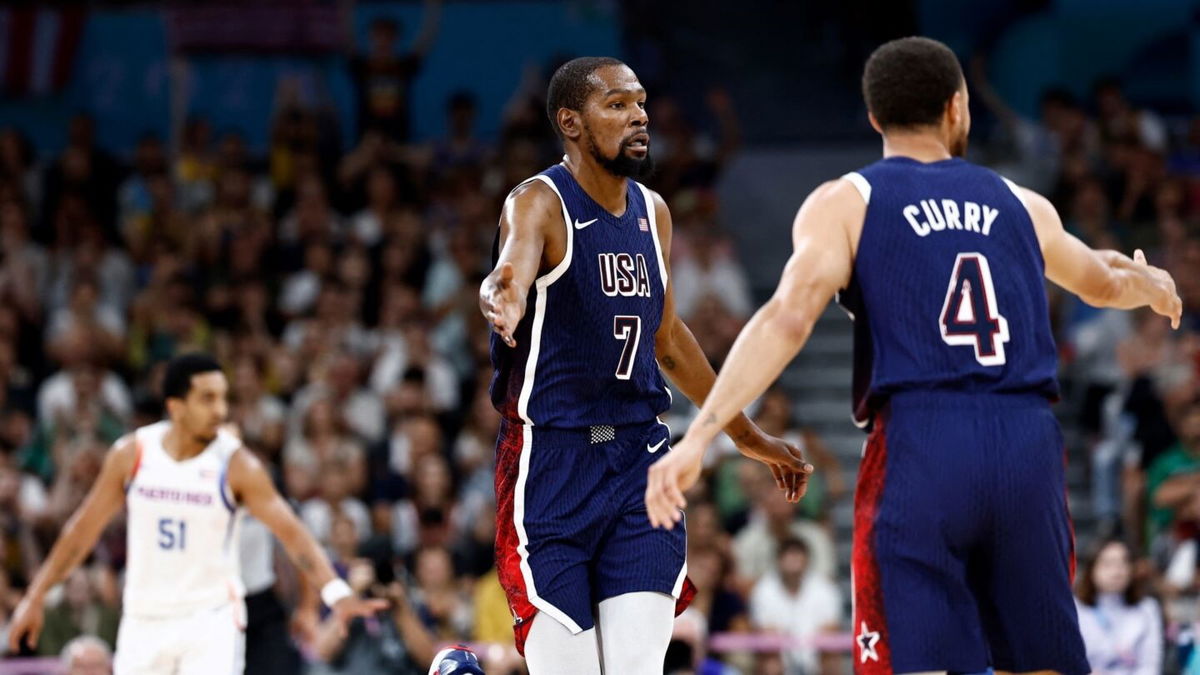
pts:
[948, 289]
[585, 346]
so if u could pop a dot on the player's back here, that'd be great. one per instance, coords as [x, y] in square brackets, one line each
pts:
[182, 530]
[947, 291]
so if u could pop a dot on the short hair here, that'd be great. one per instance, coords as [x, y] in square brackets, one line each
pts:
[177, 381]
[67, 655]
[571, 85]
[907, 82]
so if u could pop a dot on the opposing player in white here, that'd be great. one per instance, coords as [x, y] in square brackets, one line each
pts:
[183, 482]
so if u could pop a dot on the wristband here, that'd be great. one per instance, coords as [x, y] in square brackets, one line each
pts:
[335, 591]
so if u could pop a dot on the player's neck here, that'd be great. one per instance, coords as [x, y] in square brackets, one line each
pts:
[922, 146]
[603, 187]
[181, 446]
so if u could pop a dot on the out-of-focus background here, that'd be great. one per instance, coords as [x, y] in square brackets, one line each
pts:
[309, 190]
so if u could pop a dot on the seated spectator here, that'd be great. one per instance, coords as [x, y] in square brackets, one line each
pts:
[78, 612]
[1122, 626]
[1173, 481]
[773, 520]
[323, 438]
[333, 500]
[792, 600]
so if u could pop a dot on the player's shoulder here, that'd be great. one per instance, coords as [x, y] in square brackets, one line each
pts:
[846, 193]
[533, 197]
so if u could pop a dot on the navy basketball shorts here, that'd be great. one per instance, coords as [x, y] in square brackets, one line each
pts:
[963, 545]
[571, 524]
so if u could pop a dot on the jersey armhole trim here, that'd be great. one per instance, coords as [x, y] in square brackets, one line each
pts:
[1016, 192]
[864, 188]
[227, 496]
[561, 269]
[652, 215]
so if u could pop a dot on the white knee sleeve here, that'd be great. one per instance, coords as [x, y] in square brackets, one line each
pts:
[635, 630]
[551, 649]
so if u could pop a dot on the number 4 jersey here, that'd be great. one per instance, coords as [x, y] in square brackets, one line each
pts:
[585, 347]
[182, 529]
[947, 291]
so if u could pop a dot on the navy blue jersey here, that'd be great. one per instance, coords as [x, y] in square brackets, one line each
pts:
[585, 347]
[947, 291]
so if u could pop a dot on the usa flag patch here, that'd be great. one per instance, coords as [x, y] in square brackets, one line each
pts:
[643, 225]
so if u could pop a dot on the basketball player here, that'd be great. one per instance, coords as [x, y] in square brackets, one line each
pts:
[183, 482]
[583, 317]
[963, 550]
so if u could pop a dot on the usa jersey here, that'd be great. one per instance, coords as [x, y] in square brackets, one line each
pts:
[947, 291]
[585, 347]
[182, 529]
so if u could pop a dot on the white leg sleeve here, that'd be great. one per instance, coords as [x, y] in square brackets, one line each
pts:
[635, 629]
[551, 649]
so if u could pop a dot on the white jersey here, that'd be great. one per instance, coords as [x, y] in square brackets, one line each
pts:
[182, 532]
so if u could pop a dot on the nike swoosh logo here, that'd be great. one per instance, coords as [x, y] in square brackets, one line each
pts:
[580, 226]
[654, 448]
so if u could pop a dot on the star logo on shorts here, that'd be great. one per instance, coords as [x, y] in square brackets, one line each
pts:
[867, 639]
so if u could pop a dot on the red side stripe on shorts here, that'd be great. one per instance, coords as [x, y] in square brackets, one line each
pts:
[871, 653]
[508, 559]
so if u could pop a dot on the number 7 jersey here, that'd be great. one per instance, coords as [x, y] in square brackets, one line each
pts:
[948, 289]
[585, 347]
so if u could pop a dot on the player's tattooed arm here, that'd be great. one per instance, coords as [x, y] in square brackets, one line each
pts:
[253, 489]
[75, 541]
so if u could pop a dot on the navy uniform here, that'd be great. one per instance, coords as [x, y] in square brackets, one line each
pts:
[579, 398]
[963, 547]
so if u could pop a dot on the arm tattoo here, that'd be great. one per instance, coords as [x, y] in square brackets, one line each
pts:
[710, 420]
[668, 363]
[305, 563]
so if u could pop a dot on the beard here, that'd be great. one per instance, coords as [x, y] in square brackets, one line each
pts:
[623, 166]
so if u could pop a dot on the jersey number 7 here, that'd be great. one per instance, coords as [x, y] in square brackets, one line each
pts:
[969, 314]
[629, 329]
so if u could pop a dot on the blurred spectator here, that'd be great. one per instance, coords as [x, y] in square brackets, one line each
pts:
[711, 270]
[86, 655]
[1173, 481]
[793, 600]
[1122, 626]
[395, 641]
[772, 521]
[1121, 121]
[79, 611]
[384, 79]
[334, 499]
[439, 600]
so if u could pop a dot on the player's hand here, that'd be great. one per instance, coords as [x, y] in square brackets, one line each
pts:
[354, 607]
[668, 479]
[502, 303]
[785, 461]
[26, 624]
[1167, 302]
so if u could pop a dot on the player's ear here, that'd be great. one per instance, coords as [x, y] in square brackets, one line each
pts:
[570, 123]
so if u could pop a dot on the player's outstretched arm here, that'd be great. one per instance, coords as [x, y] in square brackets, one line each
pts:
[75, 541]
[253, 488]
[819, 266]
[684, 362]
[528, 214]
[1100, 278]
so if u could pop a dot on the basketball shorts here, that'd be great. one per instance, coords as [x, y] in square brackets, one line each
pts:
[963, 546]
[205, 642]
[571, 524]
